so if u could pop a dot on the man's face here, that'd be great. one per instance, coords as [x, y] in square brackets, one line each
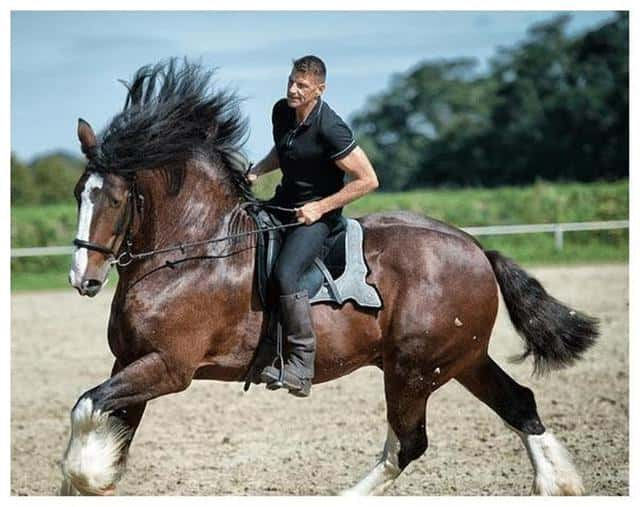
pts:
[303, 88]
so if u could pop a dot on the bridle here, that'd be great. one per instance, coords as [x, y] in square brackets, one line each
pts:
[135, 203]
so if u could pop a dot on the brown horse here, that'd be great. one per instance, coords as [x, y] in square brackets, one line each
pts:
[165, 172]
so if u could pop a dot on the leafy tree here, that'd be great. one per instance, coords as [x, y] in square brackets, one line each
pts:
[23, 189]
[56, 175]
[49, 179]
[552, 107]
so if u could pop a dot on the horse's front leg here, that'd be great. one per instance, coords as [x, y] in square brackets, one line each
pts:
[104, 418]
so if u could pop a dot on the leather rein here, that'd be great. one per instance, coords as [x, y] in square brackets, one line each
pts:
[135, 202]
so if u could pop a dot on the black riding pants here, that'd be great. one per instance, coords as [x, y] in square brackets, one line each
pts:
[301, 245]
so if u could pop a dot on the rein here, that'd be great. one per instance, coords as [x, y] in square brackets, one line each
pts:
[134, 202]
[126, 257]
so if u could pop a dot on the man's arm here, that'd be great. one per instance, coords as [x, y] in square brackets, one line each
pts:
[364, 180]
[266, 165]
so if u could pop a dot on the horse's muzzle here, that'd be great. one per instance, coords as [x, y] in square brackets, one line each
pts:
[88, 287]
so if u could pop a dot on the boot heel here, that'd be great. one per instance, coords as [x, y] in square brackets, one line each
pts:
[304, 391]
[271, 377]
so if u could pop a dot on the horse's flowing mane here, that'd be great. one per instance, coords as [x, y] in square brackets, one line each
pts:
[172, 113]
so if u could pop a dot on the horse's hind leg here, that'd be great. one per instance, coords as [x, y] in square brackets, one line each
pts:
[406, 434]
[515, 404]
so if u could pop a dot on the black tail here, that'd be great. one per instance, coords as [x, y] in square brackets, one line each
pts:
[555, 334]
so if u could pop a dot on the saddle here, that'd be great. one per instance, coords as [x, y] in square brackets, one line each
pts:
[337, 275]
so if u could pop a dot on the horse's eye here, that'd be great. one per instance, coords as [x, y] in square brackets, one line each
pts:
[114, 202]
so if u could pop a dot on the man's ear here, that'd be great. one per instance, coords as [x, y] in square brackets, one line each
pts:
[87, 137]
[321, 88]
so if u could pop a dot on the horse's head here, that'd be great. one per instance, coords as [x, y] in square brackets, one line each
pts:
[105, 209]
[173, 122]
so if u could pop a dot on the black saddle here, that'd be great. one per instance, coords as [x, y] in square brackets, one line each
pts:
[337, 274]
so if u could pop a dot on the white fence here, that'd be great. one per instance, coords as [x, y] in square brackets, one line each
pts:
[558, 231]
[39, 251]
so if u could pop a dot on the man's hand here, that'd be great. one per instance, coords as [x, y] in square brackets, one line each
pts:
[266, 165]
[309, 213]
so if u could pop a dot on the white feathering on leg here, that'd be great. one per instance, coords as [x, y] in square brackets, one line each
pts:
[555, 474]
[384, 473]
[95, 457]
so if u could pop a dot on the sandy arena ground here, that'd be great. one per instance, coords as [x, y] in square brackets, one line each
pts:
[214, 439]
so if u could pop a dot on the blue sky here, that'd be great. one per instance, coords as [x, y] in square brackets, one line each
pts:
[65, 65]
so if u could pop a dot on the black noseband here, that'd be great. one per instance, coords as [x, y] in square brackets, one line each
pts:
[134, 202]
[93, 246]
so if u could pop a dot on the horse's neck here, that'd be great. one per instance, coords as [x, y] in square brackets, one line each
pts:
[201, 209]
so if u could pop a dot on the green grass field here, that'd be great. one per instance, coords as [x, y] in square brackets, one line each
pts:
[539, 203]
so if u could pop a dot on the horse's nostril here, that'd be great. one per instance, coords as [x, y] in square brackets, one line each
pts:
[90, 287]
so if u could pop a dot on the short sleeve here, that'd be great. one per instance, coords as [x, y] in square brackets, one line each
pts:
[338, 137]
[276, 113]
[277, 118]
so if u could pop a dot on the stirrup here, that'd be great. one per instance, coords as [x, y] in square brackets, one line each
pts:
[254, 375]
[273, 380]
[276, 379]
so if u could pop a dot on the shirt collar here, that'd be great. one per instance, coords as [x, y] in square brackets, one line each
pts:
[314, 112]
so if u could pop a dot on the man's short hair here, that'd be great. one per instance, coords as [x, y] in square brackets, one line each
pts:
[311, 65]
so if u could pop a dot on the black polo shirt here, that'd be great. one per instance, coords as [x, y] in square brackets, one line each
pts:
[307, 153]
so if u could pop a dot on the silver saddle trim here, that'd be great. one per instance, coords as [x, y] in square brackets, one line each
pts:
[352, 284]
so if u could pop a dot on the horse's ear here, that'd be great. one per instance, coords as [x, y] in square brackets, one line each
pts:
[87, 138]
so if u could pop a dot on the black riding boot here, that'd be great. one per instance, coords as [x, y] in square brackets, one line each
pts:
[298, 369]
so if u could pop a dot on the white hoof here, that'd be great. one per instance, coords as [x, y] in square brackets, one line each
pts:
[572, 488]
[95, 457]
[386, 470]
[376, 482]
[66, 488]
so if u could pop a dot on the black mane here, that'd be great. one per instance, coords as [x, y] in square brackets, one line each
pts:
[171, 114]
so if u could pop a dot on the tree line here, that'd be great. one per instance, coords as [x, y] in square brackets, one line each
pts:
[552, 107]
[46, 180]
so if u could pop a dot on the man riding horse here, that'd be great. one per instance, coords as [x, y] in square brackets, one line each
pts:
[162, 196]
[314, 148]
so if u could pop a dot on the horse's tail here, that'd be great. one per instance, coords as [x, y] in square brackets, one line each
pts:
[555, 334]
